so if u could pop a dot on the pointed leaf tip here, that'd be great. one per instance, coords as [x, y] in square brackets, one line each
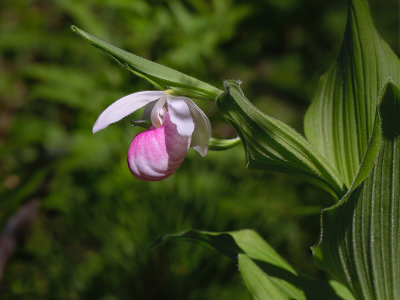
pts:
[160, 76]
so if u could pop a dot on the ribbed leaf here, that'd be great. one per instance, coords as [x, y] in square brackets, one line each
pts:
[340, 120]
[272, 145]
[162, 77]
[266, 274]
[360, 237]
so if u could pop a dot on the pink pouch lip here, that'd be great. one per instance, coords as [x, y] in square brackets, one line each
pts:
[157, 153]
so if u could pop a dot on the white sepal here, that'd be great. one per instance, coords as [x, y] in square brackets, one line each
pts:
[124, 107]
[180, 115]
[202, 129]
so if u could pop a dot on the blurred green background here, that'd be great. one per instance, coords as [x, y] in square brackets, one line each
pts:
[96, 220]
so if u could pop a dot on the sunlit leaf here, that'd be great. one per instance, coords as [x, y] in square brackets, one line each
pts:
[266, 274]
[162, 77]
[257, 282]
[340, 120]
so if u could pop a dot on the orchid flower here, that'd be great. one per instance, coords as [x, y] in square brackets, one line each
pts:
[177, 124]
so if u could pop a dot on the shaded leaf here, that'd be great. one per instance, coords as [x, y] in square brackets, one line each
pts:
[360, 236]
[274, 146]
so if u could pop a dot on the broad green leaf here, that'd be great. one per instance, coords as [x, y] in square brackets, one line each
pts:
[274, 146]
[264, 271]
[340, 120]
[222, 144]
[160, 76]
[257, 282]
[340, 290]
[360, 236]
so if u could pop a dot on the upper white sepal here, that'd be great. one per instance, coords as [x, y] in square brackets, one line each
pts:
[124, 107]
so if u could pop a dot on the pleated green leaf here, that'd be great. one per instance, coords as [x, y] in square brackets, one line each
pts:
[272, 145]
[266, 274]
[160, 76]
[340, 120]
[360, 236]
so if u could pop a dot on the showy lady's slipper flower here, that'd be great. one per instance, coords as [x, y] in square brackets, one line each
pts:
[177, 124]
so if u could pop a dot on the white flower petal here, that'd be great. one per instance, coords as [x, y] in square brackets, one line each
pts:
[124, 107]
[157, 114]
[180, 115]
[202, 128]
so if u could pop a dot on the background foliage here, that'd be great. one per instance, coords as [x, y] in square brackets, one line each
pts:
[95, 219]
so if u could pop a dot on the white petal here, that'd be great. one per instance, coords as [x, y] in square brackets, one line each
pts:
[202, 128]
[180, 115]
[157, 114]
[125, 106]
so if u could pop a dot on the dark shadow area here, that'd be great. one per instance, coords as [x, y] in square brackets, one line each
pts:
[390, 113]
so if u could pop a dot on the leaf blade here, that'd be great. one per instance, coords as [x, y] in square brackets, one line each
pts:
[257, 282]
[340, 120]
[360, 242]
[161, 76]
[265, 262]
[274, 146]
